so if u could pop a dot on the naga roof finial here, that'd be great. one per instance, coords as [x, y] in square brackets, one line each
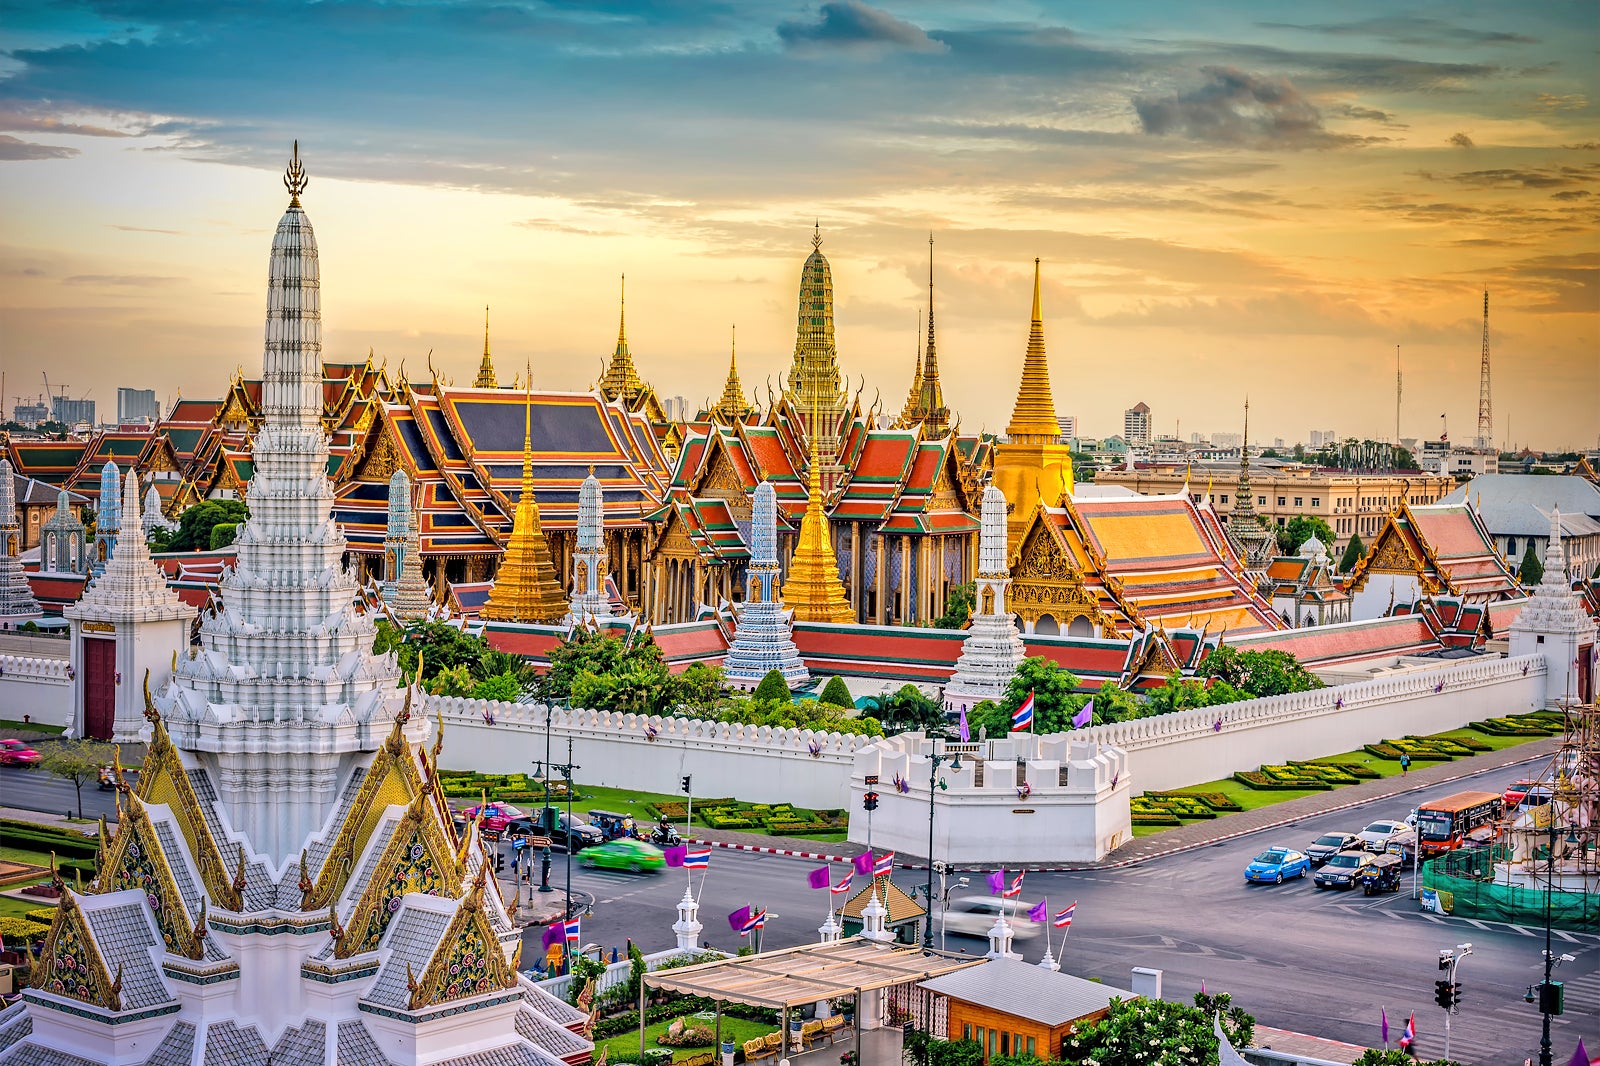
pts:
[294, 178]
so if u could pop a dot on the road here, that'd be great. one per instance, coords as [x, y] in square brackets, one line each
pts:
[1325, 963]
[35, 790]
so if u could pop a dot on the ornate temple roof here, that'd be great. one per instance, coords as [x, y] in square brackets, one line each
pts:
[925, 405]
[731, 406]
[485, 378]
[1446, 546]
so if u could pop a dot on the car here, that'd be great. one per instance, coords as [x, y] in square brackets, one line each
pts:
[975, 916]
[496, 816]
[1343, 869]
[14, 752]
[574, 832]
[625, 854]
[1379, 835]
[1275, 864]
[1329, 844]
[1528, 794]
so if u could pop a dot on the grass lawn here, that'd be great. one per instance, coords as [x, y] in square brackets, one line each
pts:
[625, 1047]
[12, 725]
[32, 858]
[11, 907]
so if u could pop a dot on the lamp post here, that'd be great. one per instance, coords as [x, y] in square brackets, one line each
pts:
[935, 760]
[1551, 998]
[566, 769]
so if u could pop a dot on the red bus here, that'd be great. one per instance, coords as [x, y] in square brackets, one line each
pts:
[1446, 824]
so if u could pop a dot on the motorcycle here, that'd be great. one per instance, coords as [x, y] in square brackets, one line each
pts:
[108, 779]
[666, 836]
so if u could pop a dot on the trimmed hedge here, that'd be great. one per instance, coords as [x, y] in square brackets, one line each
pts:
[1217, 801]
[21, 929]
[1520, 726]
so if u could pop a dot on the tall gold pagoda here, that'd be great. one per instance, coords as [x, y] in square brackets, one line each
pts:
[621, 380]
[925, 406]
[814, 386]
[485, 378]
[525, 587]
[813, 590]
[731, 406]
[1033, 466]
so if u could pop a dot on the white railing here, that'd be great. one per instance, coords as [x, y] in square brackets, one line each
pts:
[616, 974]
[17, 666]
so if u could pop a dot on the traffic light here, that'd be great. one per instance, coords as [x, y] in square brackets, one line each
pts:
[1455, 996]
[499, 860]
[1441, 993]
[1552, 998]
[869, 801]
[684, 787]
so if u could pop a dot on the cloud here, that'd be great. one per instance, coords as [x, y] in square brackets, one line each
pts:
[137, 281]
[13, 149]
[1563, 102]
[1367, 114]
[1571, 194]
[1409, 30]
[1461, 140]
[1563, 284]
[1236, 108]
[148, 229]
[851, 25]
[1527, 177]
[11, 119]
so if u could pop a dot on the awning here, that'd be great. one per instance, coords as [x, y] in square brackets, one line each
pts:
[808, 973]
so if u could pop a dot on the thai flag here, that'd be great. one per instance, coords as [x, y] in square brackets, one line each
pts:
[1063, 919]
[698, 859]
[1022, 717]
[572, 931]
[1409, 1037]
[1016, 887]
[884, 866]
[843, 886]
[754, 922]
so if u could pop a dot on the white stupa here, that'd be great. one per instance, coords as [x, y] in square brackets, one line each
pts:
[589, 601]
[993, 648]
[1555, 625]
[17, 604]
[285, 885]
[763, 639]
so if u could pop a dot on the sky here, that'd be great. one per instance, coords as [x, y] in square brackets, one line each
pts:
[1228, 199]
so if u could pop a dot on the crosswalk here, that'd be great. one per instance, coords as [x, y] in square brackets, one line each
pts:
[1559, 936]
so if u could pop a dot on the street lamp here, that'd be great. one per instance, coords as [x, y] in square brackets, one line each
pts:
[935, 760]
[1551, 998]
[566, 769]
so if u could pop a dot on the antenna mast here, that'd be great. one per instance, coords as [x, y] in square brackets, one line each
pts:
[1485, 409]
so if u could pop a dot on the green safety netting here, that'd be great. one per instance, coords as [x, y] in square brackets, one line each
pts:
[1465, 884]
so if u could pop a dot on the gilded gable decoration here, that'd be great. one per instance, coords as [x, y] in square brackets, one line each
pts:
[416, 859]
[71, 964]
[469, 961]
[135, 859]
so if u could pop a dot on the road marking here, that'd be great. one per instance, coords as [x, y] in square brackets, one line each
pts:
[1564, 935]
[1476, 924]
[1520, 929]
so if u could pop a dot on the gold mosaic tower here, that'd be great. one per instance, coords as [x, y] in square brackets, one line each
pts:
[525, 587]
[1033, 466]
[814, 386]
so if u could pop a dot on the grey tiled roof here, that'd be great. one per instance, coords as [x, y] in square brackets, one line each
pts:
[556, 1009]
[380, 839]
[412, 937]
[178, 862]
[124, 935]
[177, 1049]
[515, 1055]
[317, 851]
[229, 1045]
[540, 1031]
[357, 1048]
[305, 1046]
[1026, 991]
[15, 1023]
[33, 1055]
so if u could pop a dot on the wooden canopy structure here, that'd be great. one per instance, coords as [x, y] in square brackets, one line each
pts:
[806, 974]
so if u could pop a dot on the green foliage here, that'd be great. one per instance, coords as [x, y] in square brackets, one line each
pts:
[1352, 554]
[195, 527]
[636, 971]
[441, 647]
[836, 693]
[1259, 673]
[908, 709]
[386, 637]
[1054, 701]
[222, 534]
[957, 606]
[1301, 528]
[700, 685]
[583, 969]
[454, 681]
[1133, 1029]
[805, 714]
[22, 930]
[773, 688]
[920, 1049]
[598, 670]
[1531, 572]
[75, 761]
[1396, 1057]
[503, 687]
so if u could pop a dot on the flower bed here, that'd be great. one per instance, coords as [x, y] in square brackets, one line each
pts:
[1522, 725]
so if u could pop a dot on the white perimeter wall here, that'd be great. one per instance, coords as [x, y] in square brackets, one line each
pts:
[756, 763]
[1189, 748]
[38, 688]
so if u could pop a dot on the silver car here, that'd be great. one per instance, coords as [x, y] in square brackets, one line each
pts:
[975, 916]
[1379, 835]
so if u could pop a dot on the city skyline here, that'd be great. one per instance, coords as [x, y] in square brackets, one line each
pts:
[1222, 204]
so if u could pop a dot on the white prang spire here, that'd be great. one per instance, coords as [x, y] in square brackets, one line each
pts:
[764, 638]
[1555, 625]
[285, 678]
[588, 599]
[17, 604]
[993, 648]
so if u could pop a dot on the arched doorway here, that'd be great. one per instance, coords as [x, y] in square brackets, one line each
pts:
[1047, 626]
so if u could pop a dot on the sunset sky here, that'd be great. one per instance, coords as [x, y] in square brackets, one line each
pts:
[1228, 198]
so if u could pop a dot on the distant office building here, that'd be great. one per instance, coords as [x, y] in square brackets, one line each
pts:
[1136, 424]
[137, 405]
[72, 412]
[1227, 440]
[30, 414]
[1198, 438]
[1277, 442]
[1069, 427]
[1323, 438]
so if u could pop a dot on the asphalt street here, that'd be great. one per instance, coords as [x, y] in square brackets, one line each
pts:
[1326, 963]
[35, 790]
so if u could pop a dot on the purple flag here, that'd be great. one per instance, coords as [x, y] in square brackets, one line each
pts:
[738, 919]
[997, 881]
[966, 734]
[675, 856]
[863, 864]
[1039, 912]
[1580, 1055]
[821, 877]
[1084, 717]
[1385, 1011]
[554, 933]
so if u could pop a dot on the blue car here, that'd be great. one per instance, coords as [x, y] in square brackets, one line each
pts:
[1275, 864]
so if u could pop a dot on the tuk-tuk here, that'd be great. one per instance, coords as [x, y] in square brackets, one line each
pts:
[1382, 874]
[612, 824]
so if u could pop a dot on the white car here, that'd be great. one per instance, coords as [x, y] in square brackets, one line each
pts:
[1379, 835]
[975, 916]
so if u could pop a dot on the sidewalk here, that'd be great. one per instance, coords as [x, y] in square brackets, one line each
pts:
[55, 821]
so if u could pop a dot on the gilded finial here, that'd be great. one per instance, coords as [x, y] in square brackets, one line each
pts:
[294, 179]
[816, 234]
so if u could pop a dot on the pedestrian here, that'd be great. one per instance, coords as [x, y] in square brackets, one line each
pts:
[1405, 763]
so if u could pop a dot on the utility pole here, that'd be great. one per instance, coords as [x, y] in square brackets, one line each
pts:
[1447, 992]
[566, 772]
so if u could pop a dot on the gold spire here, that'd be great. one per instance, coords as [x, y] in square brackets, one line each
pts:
[525, 587]
[813, 590]
[911, 413]
[935, 415]
[294, 179]
[1033, 420]
[485, 378]
[732, 406]
[813, 381]
[622, 381]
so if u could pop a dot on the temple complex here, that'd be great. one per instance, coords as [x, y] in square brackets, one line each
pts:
[590, 600]
[285, 883]
[1437, 550]
[61, 546]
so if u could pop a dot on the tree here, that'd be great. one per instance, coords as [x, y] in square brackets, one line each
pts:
[1353, 553]
[75, 761]
[597, 654]
[1301, 528]
[699, 687]
[1531, 572]
[1258, 673]
[773, 689]
[442, 647]
[503, 687]
[957, 606]
[453, 681]
[1054, 699]
[1133, 1028]
[836, 693]
[908, 709]
[196, 524]
[796, 714]
[496, 663]
[223, 534]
